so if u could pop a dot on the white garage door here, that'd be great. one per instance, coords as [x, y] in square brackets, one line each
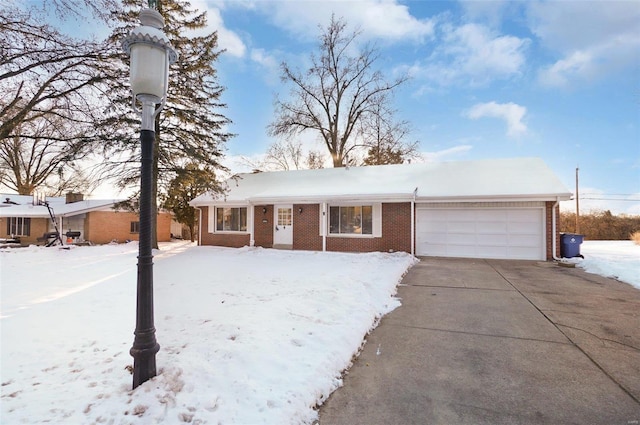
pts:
[509, 233]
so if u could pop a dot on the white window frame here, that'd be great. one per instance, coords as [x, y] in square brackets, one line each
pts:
[376, 217]
[213, 219]
[18, 224]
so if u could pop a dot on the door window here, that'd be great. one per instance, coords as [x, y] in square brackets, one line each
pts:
[284, 216]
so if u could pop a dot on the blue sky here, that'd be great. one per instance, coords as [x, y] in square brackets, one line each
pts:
[489, 79]
[556, 80]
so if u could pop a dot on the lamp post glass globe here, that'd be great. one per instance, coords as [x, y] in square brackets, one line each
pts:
[151, 53]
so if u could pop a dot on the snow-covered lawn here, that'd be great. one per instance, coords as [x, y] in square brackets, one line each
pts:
[616, 259]
[247, 336]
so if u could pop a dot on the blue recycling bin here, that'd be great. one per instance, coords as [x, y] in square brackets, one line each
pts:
[570, 245]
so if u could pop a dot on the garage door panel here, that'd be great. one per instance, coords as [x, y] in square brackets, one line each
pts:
[457, 215]
[490, 215]
[436, 238]
[430, 227]
[461, 239]
[489, 240]
[520, 228]
[491, 227]
[524, 228]
[461, 227]
[437, 250]
[523, 240]
[516, 233]
[526, 215]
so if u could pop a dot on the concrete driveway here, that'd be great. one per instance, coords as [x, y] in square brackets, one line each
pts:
[498, 342]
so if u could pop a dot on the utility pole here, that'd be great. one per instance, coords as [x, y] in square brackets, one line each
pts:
[577, 204]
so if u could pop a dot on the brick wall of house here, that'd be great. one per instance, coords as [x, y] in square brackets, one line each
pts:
[551, 232]
[105, 226]
[306, 227]
[263, 225]
[220, 239]
[396, 230]
[396, 233]
[38, 227]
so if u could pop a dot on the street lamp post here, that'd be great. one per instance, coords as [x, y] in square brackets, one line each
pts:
[151, 53]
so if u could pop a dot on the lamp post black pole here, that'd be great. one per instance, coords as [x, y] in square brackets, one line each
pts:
[145, 345]
[151, 54]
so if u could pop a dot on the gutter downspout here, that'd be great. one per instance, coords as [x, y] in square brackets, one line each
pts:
[555, 231]
[413, 222]
[199, 225]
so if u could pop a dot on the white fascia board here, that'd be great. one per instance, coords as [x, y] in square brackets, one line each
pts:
[210, 201]
[495, 198]
[26, 213]
[59, 209]
[332, 198]
[226, 204]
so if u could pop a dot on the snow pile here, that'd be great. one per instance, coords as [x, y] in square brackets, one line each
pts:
[247, 335]
[615, 259]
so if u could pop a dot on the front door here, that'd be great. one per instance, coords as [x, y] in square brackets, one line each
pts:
[283, 226]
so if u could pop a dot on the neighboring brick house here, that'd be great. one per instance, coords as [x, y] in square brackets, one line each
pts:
[504, 208]
[96, 221]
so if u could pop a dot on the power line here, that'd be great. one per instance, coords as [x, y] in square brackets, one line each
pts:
[611, 199]
[608, 194]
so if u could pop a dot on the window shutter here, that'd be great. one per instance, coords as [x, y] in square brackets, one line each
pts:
[212, 219]
[377, 220]
[323, 220]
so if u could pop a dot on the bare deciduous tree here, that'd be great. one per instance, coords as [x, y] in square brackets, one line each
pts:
[40, 155]
[315, 160]
[50, 85]
[384, 137]
[286, 155]
[332, 97]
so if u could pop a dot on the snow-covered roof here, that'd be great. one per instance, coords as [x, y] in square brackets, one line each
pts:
[22, 206]
[520, 178]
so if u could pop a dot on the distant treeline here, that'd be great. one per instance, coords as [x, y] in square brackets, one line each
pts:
[601, 225]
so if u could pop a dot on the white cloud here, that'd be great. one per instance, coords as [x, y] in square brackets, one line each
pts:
[510, 112]
[479, 51]
[593, 39]
[227, 39]
[445, 154]
[378, 19]
[563, 70]
[268, 62]
[491, 12]
[474, 55]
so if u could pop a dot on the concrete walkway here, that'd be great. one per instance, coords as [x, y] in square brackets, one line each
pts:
[498, 342]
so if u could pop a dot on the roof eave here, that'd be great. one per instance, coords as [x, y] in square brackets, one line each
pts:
[497, 198]
[256, 200]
